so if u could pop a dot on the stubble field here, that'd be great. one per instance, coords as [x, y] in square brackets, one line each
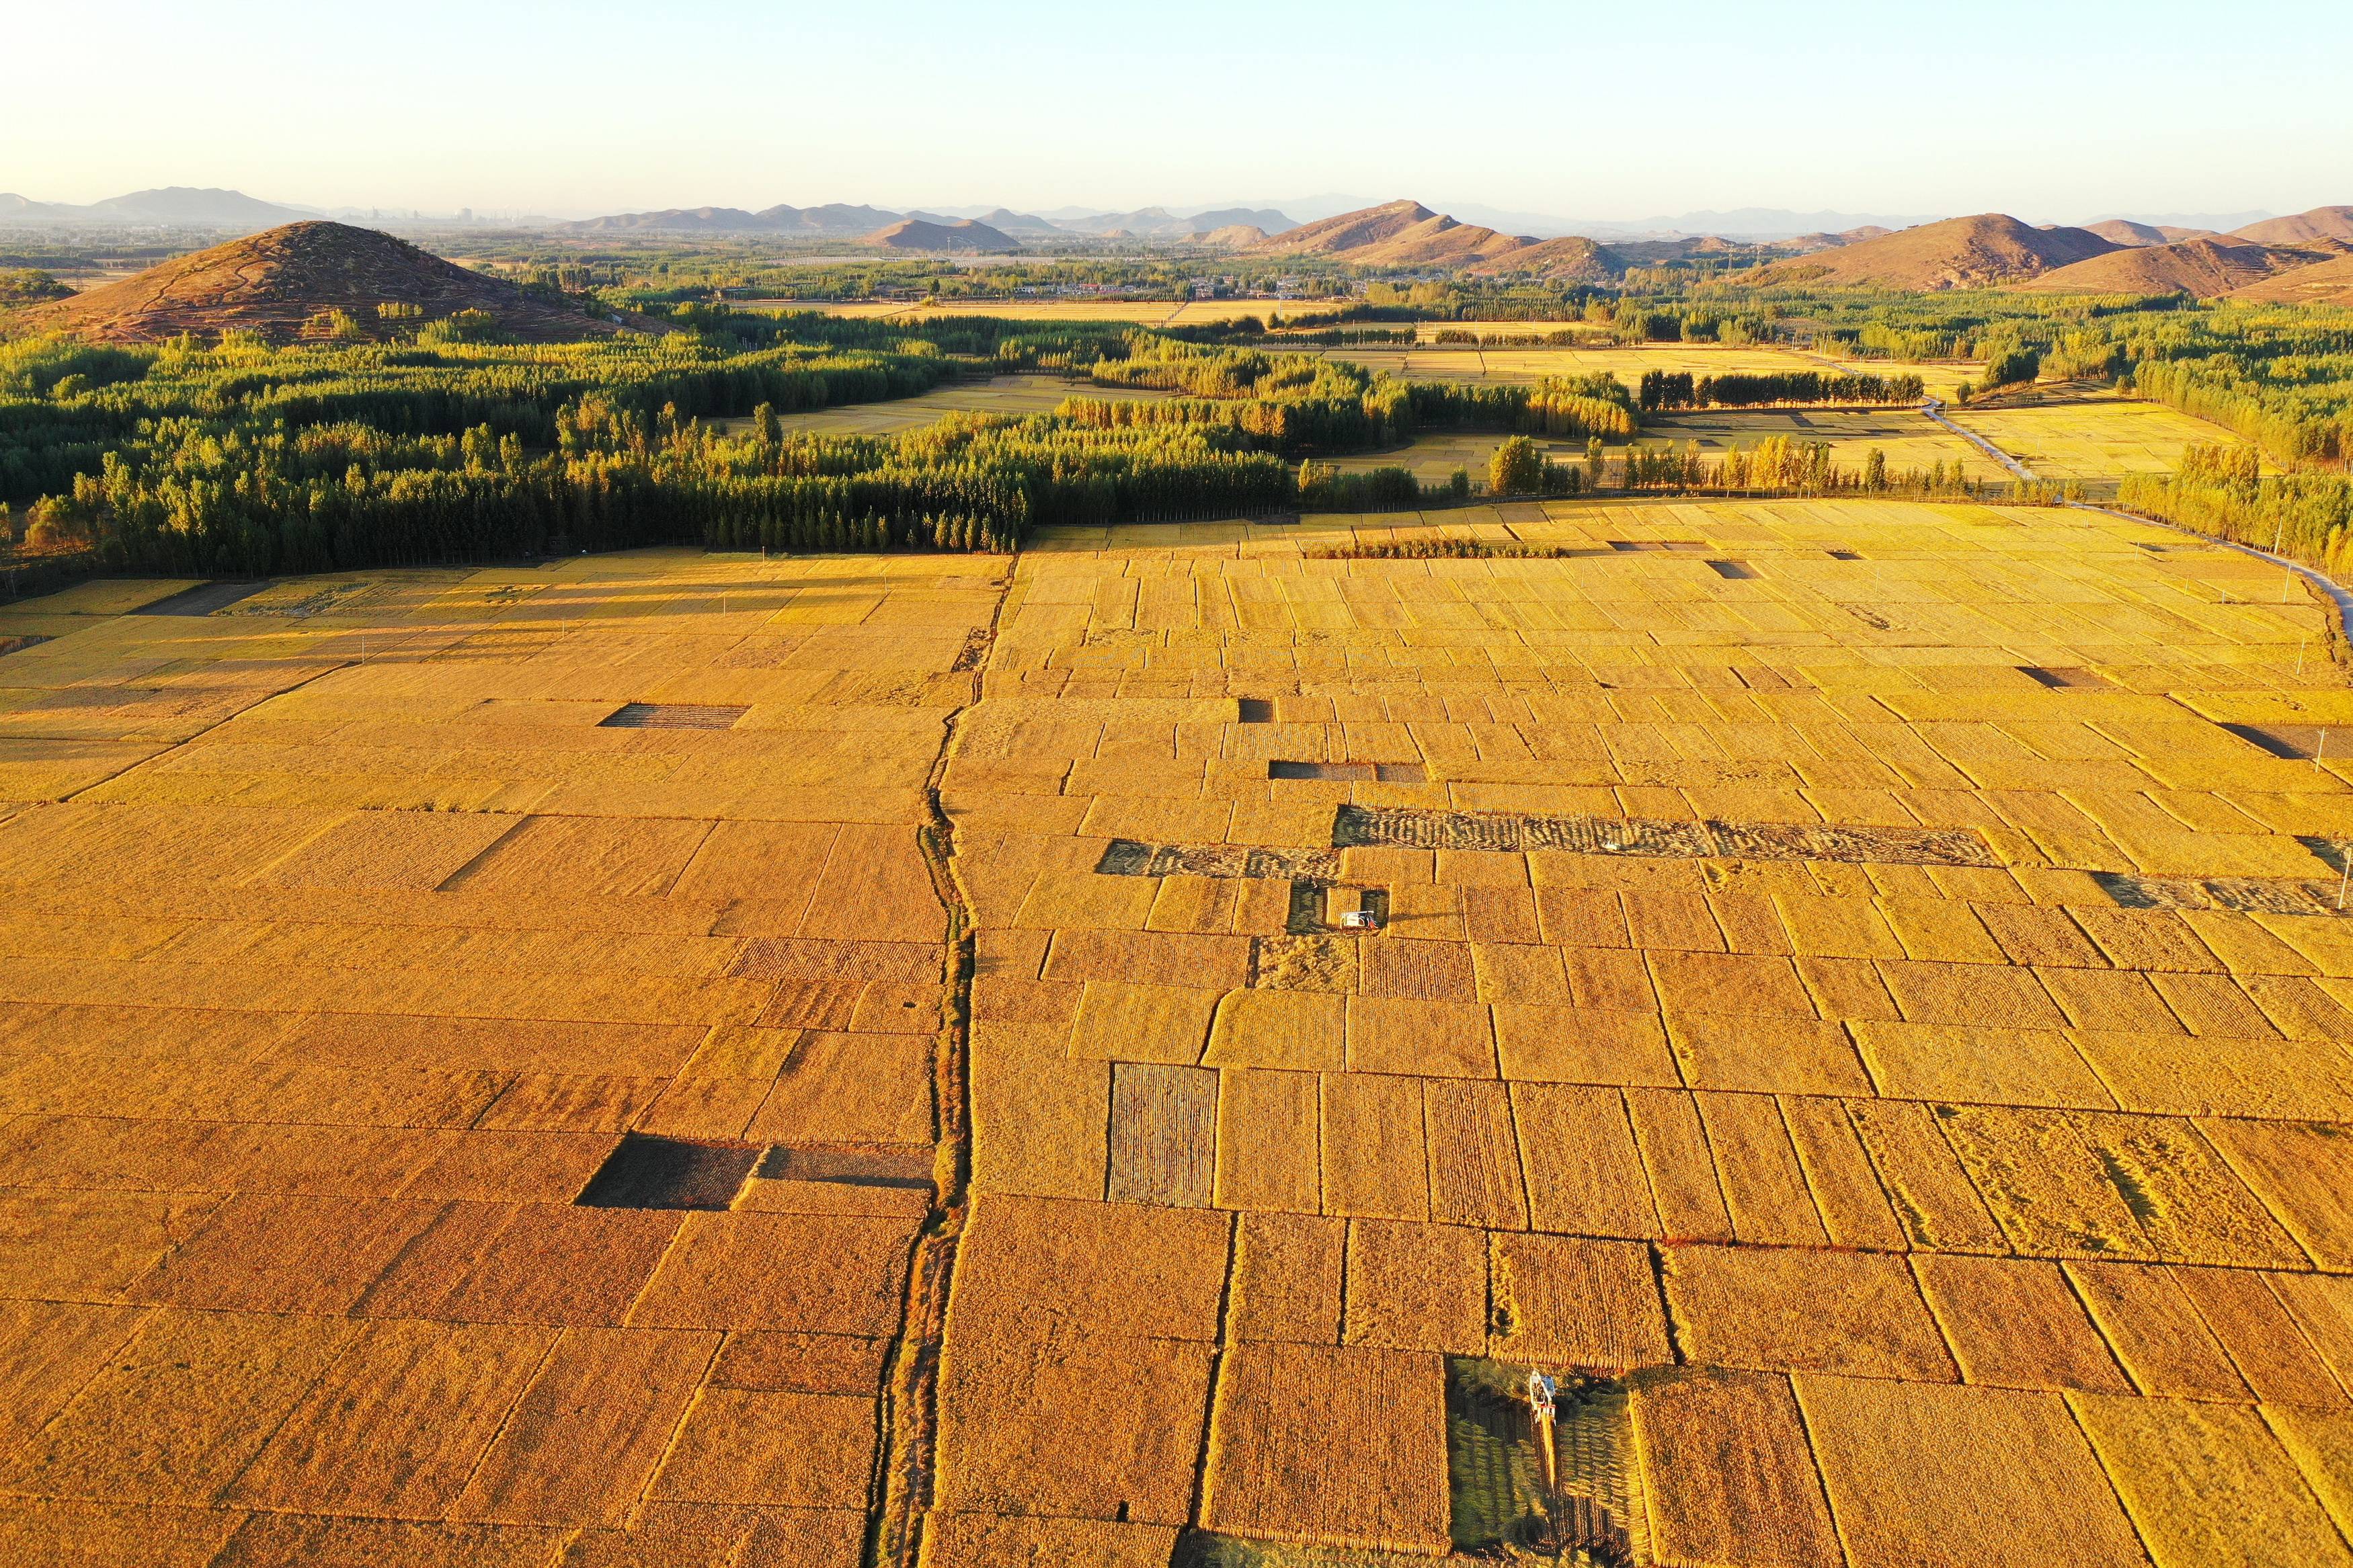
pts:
[1857, 980]
[1987, 1147]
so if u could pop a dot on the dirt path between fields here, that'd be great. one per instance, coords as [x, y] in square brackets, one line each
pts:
[907, 1449]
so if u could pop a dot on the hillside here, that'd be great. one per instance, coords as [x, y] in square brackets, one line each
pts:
[1266, 218]
[1407, 234]
[923, 234]
[2301, 229]
[1005, 221]
[2126, 231]
[2203, 268]
[1439, 241]
[273, 282]
[1349, 231]
[1978, 252]
[1569, 259]
[2323, 283]
[1233, 237]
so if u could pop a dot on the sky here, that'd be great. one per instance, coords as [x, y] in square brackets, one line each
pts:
[2060, 110]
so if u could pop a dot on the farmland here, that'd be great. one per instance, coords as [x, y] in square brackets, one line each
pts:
[1008, 395]
[1906, 438]
[1882, 1009]
[2094, 437]
[925, 1020]
[1627, 363]
[1144, 313]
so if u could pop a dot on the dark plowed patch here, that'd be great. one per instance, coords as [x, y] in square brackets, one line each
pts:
[2297, 742]
[1738, 571]
[850, 1164]
[650, 1172]
[672, 716]
[1402, 827]
[2248, 895]
[1386, 772]
[2062, 678]
[1132, 858]
[1255, 710]
[1164, 1134]
[202, 600]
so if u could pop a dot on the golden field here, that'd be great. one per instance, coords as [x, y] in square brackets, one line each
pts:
[2092, 437]
[1012, 396]
[1874, 1009]
[1144, 313]
[1426, 360]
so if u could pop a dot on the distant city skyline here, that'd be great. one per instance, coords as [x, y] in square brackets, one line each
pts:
[2055, 113]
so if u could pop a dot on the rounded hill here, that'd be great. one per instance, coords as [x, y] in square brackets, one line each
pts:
[278, 282]
[2323, 283]
[1978, 252]
[921, 234]
[2202, 268]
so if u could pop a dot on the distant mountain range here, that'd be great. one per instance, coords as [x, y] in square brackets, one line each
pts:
[174, 207]
[2114, 257]
[834, 218]
[1762, 225]
[2200, 252]
[839, 221]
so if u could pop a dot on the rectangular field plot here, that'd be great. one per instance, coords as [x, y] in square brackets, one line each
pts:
[2096, 438]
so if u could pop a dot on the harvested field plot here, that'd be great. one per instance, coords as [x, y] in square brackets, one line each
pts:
[1914, 1077]
[1627, 363]
[2094, 440]
[1008, 394]
[1909, 439]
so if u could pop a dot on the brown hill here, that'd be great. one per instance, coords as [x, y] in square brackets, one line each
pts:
[2302, 228]
[2204, 268]
[1358, 230]
[276, 281]
[1438, 241]
[921, 233]
[2322, 283]
[1233, 237]
[1571, 259]
[1407, 234]
[1958, 253]
[2125, 231]
[1821, 239]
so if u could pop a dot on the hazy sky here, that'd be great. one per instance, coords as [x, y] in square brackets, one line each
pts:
[2057, 110]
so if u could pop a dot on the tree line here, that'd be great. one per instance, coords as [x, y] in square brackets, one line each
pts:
[1664, 390]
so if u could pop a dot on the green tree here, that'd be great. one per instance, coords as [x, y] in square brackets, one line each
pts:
[1516, 469]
